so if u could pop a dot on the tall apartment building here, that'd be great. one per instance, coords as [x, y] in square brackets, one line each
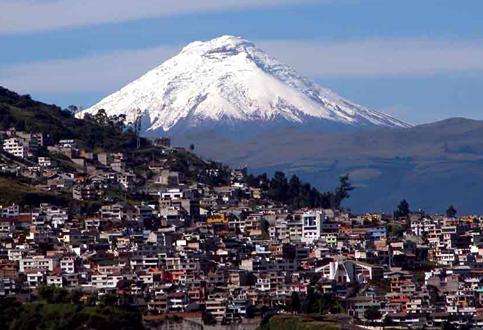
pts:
[311, 226]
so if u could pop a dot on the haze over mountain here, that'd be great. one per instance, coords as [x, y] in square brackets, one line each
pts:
[432, 165]
[227, 81]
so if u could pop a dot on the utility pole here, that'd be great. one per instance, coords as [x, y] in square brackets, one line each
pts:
[137, 127]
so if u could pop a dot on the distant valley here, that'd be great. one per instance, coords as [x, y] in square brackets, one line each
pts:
[432, 165]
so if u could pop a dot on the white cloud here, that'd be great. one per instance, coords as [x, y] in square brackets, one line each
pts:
[105, 73]
[379, 57]
[39, 15]
[97, 73]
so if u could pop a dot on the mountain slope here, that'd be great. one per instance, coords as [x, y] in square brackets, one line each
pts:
[228, 80]
[432, 165]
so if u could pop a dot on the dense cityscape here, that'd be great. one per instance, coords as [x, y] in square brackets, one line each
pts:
[151, 233]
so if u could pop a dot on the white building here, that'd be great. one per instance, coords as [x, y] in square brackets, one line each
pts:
[104, 281]
[9, 211]
[67, 264]
[37, 263]
[34, 279]
[216, 305]
[311, 224]
[112, 212]
[67, 143]
[55, 280]
[172, 194]
[349, 271]
[44, 161]
[16, 147]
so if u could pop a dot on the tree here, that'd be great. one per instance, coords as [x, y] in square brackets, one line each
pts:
[208, 318]
[108, 300]
[310, 301]
[451, 212]
[265, 226]
[117, 122]
[20, 125]
[295, 303]
[101, 117]
[297, 194]
[278, 187]
[395, 230]
[72, 109]
[342, 191]
[433, 293]
[10, 307]
[372, 313]
[294, 185]
[403, 209]
[318, 303]
[53, 294]
[192, 147]
[263, 181]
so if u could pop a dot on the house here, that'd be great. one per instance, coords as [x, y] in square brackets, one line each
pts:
[216, 306]
[44, 161]
[85, 192]
[38, 262]
[16, 147]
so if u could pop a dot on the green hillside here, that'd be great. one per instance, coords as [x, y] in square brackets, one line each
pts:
[25, 114]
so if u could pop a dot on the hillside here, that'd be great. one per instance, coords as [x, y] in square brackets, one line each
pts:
[25, 114]
[28, 115]
[107, 134]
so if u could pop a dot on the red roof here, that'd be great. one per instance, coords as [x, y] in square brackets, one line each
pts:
[19, 218]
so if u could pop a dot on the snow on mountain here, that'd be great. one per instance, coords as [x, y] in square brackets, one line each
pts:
[229, 80]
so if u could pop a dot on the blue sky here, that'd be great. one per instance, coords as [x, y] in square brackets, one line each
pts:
[418, 60]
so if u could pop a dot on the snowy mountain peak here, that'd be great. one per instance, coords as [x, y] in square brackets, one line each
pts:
[229, 80]
[223, 44]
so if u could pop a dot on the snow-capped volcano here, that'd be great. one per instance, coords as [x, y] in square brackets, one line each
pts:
[228, 79]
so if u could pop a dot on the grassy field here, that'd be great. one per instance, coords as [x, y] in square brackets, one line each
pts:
[287, 322]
